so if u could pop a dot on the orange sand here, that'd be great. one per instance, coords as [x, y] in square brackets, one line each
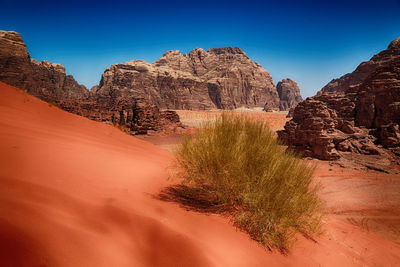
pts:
[74, 192]
[368, 199]
[195, 118]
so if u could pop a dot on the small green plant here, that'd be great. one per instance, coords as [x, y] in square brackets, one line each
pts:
[242, 164]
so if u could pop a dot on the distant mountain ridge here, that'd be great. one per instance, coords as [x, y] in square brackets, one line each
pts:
[220, 78]
[45, 80]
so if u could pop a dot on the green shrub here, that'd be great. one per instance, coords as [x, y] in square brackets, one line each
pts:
[240, 162]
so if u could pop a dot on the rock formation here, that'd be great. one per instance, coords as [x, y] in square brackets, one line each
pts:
[49, 82]
[362, 71]
[289, 94]
[133, 115]
[358, 113]
[161, 86]
[42, 79]
[222, 78]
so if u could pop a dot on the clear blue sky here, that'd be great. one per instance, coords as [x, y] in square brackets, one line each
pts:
[311, 42]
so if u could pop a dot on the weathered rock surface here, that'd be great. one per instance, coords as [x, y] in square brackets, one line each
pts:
[358, 114]
[132, 94]
[49, 82]
[133, 115]
[289, 94]
[357, 77]
[42, 79]
[161, 86]
[222, 78]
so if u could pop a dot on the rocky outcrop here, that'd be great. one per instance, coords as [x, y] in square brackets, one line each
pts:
[220, 78]
[289, 94]
[161, 86]
[133, 115]
[361, 115]
[147, 118]
[223, 78]
[42, 79]
[357, 77]
[49, 82]
[322, 126]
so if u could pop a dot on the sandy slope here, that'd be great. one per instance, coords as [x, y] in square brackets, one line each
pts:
[367, 199]
[74, 192]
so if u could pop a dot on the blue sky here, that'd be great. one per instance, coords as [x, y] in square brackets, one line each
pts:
[311, 42]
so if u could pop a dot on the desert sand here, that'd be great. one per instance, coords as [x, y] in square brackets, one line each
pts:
[194, 118]
[74, 192]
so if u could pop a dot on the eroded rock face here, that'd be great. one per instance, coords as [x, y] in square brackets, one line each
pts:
[161, 86]
[358, 116]
[133, 115]
[11, 45]
[357, 77]
[223, 78]
[42, 79]
[49, 82]
[322, 126]
[289, 94]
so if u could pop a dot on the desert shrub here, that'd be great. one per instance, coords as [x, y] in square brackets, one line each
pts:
[241, 162]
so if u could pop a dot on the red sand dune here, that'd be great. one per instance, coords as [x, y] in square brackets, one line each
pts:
[74, 192]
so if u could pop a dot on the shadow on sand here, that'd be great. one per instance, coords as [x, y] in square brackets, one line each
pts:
[197, 199]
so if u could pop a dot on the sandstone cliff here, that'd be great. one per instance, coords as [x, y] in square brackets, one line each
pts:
[358, 113]
[42, 79]
[132, 115]
[49, 82]
[365, 69]
[222, 78]
[289, 94]
[161, 86]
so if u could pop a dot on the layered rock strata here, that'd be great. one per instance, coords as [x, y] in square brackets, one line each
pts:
[49, 82]
[358, 76]
[220, 78]
[42, 79]
[134, 116]
[289, 94]
[357, 114]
